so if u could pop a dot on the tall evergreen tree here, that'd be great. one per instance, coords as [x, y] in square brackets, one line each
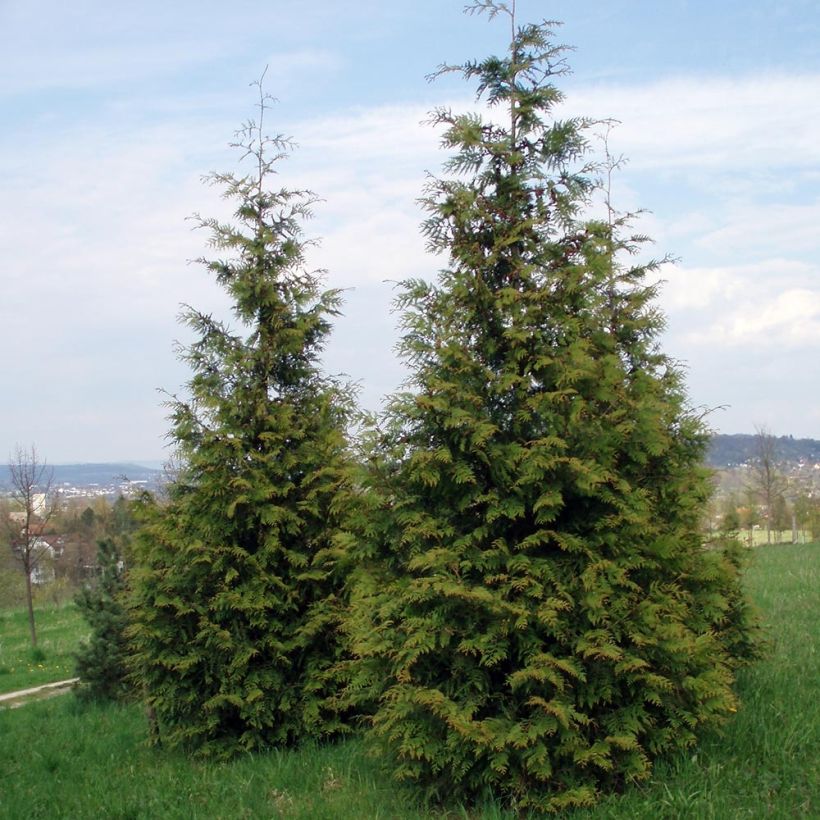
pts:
[538, 618]
[236, 579]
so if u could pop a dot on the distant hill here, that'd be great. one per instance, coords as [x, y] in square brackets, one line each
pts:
[90, 475]
[726, 450]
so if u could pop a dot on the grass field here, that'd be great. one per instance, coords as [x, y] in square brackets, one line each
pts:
[62, 760]
[59, 630]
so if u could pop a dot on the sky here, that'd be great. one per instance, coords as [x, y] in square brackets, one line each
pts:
[113, 112]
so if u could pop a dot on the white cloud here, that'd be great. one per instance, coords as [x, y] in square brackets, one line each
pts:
[790, 320]
[772, 304]
[717, 288]
[699, 288]
[756, 227]
[711, 124]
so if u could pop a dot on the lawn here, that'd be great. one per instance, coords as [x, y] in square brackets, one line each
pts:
[59, 631]
[59, 759]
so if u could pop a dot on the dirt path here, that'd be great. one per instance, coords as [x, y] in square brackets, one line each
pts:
[11, 700]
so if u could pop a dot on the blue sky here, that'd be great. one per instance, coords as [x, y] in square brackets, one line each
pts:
[112, 112]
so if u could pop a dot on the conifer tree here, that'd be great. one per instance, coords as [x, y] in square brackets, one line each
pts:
[538, 617]
[234, 599]
[101, 661]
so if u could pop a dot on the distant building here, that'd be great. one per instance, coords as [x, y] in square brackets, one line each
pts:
[38, 504]
[44, 549]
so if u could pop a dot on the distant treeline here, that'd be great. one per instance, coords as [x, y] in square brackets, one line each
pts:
[726, 450]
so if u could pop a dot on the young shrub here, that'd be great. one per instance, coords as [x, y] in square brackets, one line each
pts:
[235, 585]
[537, 617]
[101, 661]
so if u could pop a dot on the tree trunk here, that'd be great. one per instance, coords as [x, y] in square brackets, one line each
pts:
[30, 609]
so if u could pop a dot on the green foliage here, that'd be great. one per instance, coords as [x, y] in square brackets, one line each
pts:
[236, 581]
[102, 659]
[12, 586]
[731, 517]
[88, 517]
[536, 615]
[807, 511]
[36, 655]
[120, 524]
[781, 517]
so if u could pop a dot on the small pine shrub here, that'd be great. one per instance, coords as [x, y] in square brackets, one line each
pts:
[101, 661]
[36, 655]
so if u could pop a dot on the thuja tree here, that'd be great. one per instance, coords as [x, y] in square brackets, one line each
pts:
[234, 600]
[538, 618]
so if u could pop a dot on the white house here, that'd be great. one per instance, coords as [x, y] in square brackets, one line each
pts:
[44, 550]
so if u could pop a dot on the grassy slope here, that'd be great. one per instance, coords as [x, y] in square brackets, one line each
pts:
[91, 762]
[59, 630]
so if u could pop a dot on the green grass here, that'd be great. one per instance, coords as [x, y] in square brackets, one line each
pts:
[59, 630]
[94, 764]
[62, 760]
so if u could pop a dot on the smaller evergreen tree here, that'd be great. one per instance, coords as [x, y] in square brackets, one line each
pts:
[236, 587]
[101, 662]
